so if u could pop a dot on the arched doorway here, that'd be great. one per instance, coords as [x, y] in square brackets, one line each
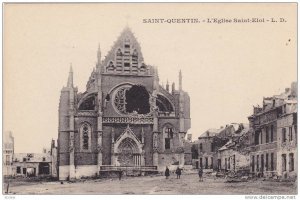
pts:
[128, 150]
[128, 153]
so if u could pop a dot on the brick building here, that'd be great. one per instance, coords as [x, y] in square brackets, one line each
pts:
[269, 125]
[124, 118]
[36, 164]
[32, 164]
[287, 157]
[234, 155]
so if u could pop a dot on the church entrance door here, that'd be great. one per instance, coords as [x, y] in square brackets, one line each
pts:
[129, 153]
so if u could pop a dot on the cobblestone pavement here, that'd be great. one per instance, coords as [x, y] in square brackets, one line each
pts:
[188, 184]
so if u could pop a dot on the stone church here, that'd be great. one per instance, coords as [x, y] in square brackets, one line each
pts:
[123, 119]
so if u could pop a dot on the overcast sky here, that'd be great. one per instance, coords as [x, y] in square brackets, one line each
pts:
[226, 68]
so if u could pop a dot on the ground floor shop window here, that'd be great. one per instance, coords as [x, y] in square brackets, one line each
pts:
[283, 156]
[18, 170]
[291, 166]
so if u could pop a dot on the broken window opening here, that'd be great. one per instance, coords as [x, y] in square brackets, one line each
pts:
[291, 162]
[168, 135]
[272, 130]
[267, 135]
[164, 104]
[253, 164]
[267, 162]
[272, 161]
[167, 143]
[137, 100]
[257, 163]
[283, 135]
[88, 104]
[291, 133]
[256, 137]
[169, 132]
[262, 162]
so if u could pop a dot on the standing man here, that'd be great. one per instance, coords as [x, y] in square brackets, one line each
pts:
[167, 172]
[178, 172]
[120, 174]
[200, 173]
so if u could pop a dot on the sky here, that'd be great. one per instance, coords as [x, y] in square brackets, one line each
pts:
[227, 68]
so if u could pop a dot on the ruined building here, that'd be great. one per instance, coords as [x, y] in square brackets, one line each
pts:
[123, 119]
[36, 164]
[219, 149]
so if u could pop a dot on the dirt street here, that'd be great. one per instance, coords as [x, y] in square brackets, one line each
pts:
[188, 184]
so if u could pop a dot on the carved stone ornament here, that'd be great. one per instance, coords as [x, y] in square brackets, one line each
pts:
[71, 148]
[155, 149]
[128, 120]
[180, 150]
[99, 148]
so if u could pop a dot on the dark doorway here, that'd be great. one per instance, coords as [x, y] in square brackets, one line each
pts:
[219, 164]
[262, 162]
[197, 164]
[206, 163]
[44, 168]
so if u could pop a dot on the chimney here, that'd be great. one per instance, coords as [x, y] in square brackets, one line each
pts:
[294, 89]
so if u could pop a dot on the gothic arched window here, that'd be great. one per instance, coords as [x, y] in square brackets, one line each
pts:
[85, 134]
[120, 100]
[168, 134]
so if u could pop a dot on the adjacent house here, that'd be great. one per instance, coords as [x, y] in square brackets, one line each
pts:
[8, 153]
[272, 141]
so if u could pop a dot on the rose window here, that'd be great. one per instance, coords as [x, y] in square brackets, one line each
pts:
[120, 100]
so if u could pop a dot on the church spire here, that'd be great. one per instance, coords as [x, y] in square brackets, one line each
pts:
[180, 80]
[70, 78]
[167, 86]
[173, 88]
[99, 55]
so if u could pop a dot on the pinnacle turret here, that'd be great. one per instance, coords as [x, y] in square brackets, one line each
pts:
[70, 78]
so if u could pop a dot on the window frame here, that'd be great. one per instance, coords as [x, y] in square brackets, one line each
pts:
[168, 135]
[82, 149]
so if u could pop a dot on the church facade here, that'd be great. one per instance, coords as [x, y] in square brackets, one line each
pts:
[124, 118]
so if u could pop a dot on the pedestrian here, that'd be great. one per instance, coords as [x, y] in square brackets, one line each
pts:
[120, 174]
[167, 172]
[178, 172]
[200, 173]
